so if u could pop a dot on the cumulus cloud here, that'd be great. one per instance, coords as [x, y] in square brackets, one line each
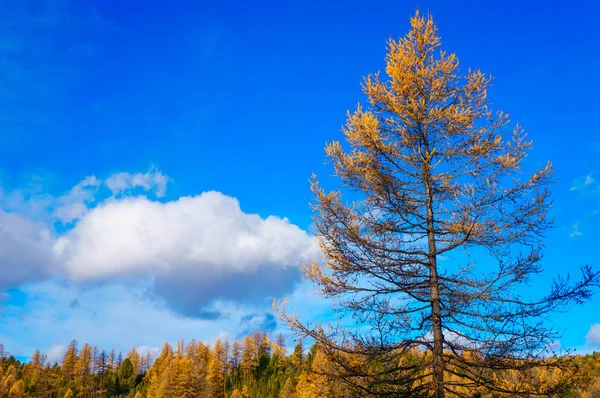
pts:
[593, 335]
[197, 249]
[25, 250]
[200, 248]
[56, 353]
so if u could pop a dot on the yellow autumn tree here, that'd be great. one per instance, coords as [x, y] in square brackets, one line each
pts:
[17, 390]
[288, 390]
[249, 359]
[317, 381]
[158, 377]
[216, 366]
[82, 368]
[434, 174]
[10, 378]
[36, 374]
[180, 374]
[69, 360]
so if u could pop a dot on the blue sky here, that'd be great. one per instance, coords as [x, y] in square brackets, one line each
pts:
[110, 114]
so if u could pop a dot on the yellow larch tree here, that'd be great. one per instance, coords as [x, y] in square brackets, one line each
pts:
[135, 359]
[69, 360]
[82, 369]
[443, 232]
[17, 390]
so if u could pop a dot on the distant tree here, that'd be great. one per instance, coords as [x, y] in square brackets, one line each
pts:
[36, 373]
[216, 369]
[94, 359]
[298, 354]
[288, 390]
[236, 354]
[17, 390]
[437, 181]
[134, 357]
[280, 340]
[82, 369]
[3, 352]
[249, 354]
[127, 375]
[146, 361]
[101, 365]
[69, 360]
[112, 361]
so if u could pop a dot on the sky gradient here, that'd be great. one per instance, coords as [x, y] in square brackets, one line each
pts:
[154, 158]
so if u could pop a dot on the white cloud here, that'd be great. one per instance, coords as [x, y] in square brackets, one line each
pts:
[56, 353]
[575, 232]
[593, 335]
[114, 315]
[585, 183]
[74, 204]
[210, 230]
[153, 180]
[588, 180]
[25, 250]
[198, 249]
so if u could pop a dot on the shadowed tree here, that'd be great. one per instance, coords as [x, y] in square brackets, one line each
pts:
[441, 239]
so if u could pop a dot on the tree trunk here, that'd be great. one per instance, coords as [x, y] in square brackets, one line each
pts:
[434, 291]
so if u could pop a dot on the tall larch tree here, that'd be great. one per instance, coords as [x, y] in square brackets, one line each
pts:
[36, 373]
[82, 369]
[69, 360]
[442, 236]
[216, 369]
[112, 361]
[249, 360]
[236, 354]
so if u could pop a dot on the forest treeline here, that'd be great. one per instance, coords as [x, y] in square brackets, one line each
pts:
[255, 367]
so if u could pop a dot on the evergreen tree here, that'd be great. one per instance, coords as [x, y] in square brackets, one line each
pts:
[134, 357]
[126, 375]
